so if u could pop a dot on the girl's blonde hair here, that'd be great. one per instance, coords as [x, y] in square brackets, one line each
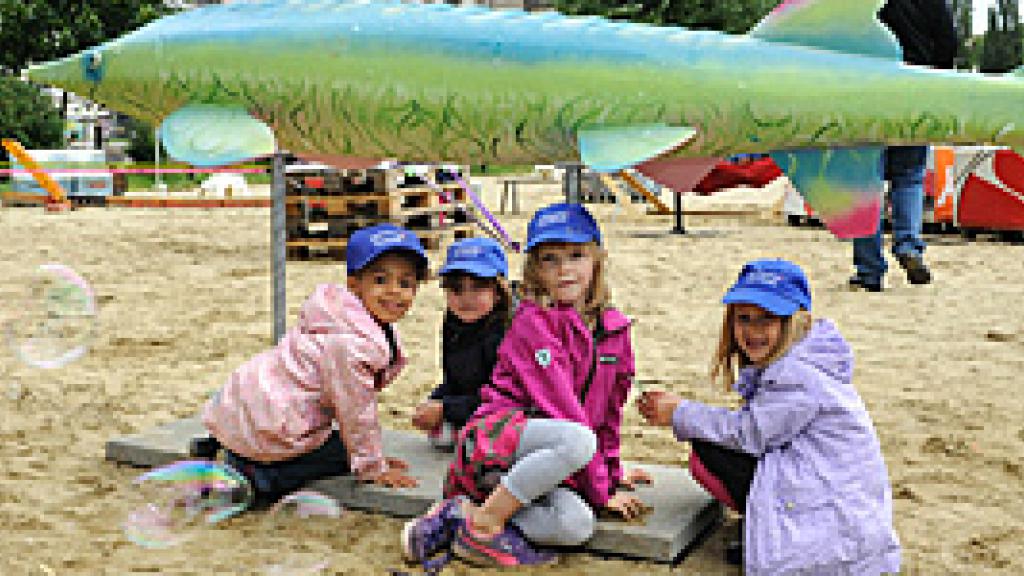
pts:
[598, 294]
[729, 357]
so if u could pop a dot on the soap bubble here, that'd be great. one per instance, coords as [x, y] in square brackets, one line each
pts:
[298, 510]
[303, 505]
[175, 502]
[53, 318]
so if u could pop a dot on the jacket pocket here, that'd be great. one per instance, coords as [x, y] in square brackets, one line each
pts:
[813, 533]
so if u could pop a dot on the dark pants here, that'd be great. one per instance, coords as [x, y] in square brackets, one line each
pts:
[274, 480]
[735, 470]
[904, 168]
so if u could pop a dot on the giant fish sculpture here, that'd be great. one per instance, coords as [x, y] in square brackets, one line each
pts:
[819, 83]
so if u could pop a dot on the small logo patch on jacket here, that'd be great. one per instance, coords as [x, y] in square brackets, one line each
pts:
[543, 357]
[608, 359]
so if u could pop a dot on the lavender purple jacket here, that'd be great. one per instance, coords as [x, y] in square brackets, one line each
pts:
[543, 363]
[820, 501]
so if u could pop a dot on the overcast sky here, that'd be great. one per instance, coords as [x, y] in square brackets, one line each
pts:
[979, 20]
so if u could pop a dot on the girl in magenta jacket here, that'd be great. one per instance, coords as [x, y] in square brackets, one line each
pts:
[541, 453]
[275, 415]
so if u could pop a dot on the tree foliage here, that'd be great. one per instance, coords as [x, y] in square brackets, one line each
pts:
[1002, 47]
[734, 16]
[28, 116]
[141, 136]
[34, 31]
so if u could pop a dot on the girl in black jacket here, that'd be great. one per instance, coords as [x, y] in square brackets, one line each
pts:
[479, 304]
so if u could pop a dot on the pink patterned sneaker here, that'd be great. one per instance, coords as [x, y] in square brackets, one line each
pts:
[508, 548]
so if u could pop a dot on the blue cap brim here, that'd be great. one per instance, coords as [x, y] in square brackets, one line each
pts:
[770, 302]
[420, 255]
[560, 236]
[472, 268]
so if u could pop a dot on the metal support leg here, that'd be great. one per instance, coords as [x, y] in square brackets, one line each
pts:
[572, 183]
[678, 209]
[277, 245]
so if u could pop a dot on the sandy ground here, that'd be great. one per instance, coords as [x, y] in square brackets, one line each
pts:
[185, 297]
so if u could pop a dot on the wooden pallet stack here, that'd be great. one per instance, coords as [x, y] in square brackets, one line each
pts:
[324, 207]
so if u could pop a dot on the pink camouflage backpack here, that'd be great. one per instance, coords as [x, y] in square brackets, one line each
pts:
[486, 449]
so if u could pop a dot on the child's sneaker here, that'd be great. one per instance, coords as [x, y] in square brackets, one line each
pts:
[508, 548]
[424, 536]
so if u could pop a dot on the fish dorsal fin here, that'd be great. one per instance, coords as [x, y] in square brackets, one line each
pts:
[847, 26]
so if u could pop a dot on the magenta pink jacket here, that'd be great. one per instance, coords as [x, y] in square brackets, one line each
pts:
[543, 363]
[328, 367]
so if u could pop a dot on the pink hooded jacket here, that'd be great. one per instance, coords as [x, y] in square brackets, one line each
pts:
[328, 367]
[543, 364]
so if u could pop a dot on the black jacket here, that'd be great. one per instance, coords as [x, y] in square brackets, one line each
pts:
[468, 355]
[924, 29]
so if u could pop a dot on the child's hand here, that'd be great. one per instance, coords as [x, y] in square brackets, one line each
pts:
[657, 407]
[633, 477]
[393, 478]
[626, 505]
[396, 463]
[428, 415]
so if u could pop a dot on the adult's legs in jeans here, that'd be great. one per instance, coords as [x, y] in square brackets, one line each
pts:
[906, 172]
[904, 168]
[273, 480]
[868, 258]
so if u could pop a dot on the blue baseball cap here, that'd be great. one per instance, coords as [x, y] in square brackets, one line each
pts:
[368, 244]
[570, 223]
[778, 286]
[481, 257]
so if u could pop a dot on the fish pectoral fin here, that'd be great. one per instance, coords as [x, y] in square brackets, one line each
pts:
[215, 135]
[842, 185]
[848, 26]
[610, 149]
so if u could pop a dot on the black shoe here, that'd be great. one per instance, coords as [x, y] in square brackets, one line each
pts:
[205, 447]
[917, 271]
[859, 282]
[734, 549]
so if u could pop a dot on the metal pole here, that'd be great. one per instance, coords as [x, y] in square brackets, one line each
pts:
[572, 184]
[277, 245]
[156, 154]
[678, 198]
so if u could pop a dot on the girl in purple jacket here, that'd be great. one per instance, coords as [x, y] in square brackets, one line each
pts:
[801, 459]
[541, 453]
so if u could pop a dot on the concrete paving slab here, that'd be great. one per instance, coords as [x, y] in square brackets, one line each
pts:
[681, 508]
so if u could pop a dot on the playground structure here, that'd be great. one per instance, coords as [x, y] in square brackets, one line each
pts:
[55, 198]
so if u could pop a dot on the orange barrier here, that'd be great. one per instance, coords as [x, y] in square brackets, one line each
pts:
[942, 188]
[57, 194]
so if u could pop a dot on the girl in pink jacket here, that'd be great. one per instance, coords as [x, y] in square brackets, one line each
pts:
[541, 453]
[276, 414]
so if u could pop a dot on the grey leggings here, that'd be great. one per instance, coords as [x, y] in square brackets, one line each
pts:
[548, 452]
